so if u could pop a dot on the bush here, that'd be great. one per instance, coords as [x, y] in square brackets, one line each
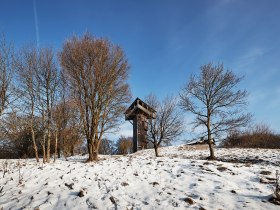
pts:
[261, 136]
[124, 145]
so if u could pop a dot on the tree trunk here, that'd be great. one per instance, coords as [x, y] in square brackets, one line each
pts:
[58, 152]
[156, 150]
[44, 154]
[55, 147]
[32, 131]
[72, 150]
[58, 147]
[93, 150]
[44, 148]
[211, 148]
[90, 152]
[210, 143]
[95, 155]
[48, 144]
[34, 144]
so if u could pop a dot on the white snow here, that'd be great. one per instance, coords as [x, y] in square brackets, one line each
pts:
[141, 181]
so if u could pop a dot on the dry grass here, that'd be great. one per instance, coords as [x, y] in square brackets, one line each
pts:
[194, 147]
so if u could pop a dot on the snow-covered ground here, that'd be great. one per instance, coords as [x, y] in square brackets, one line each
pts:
[181, 179]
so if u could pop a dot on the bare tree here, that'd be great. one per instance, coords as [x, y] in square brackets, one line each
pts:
[47, 83]
[213, 98]
[106, 147]
[58, 122]
[60, 115]
[168, 124]
[7, 66]
[67, 128]
[97, 71]
[27, 64]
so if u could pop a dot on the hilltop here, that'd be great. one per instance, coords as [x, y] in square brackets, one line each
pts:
[181, 179]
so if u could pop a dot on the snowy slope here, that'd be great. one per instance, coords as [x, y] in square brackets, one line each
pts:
[181, 179]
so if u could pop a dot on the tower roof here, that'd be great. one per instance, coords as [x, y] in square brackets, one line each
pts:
[139, 107]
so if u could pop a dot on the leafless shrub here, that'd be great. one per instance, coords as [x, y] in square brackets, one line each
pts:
[260, 136]
[16, 131]
[124, 145]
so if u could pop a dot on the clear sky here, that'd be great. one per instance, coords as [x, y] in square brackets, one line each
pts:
[167, 40]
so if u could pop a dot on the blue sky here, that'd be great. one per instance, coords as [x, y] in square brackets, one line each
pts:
[166, 41]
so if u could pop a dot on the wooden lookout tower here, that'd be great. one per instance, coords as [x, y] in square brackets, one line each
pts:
[139, 112]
